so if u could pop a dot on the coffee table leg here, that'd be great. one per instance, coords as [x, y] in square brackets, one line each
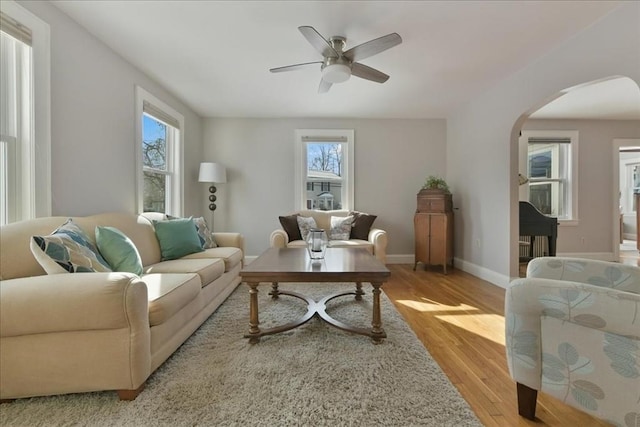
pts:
[254, 330]
[274, 290]
[359, 291]
[377, 333]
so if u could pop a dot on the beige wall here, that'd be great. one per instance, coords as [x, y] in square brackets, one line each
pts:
[392, 159]
[93, 157]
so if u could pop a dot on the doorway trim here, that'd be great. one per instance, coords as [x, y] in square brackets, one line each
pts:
[617, 144]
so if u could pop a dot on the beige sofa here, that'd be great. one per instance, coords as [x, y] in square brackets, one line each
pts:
[81, 332]
[376, 242]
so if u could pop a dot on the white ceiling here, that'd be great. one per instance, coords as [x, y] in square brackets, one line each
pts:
[216, 55]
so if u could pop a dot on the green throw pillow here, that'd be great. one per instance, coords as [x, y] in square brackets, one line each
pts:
[118, 250]
[177, 238]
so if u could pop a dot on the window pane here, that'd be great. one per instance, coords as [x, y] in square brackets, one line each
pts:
[548, 197]
[154, 198]
[154, 143]
[325, 169]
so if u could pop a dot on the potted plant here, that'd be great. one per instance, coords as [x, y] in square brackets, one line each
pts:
[435, 184]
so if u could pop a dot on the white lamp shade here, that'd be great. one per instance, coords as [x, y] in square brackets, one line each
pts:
[212, 172]
[336, 73]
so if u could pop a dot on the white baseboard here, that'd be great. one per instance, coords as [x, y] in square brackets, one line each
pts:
[482, 272]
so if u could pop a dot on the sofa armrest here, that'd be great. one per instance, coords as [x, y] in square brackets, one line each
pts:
[226, 240]
[72, 302]
[278, 239]
[378, 238]
[528, 300]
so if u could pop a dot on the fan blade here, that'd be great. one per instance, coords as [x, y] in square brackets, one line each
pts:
[324, 86]
[318, 42]
[372, 47]
[364, 72]
[293, 67]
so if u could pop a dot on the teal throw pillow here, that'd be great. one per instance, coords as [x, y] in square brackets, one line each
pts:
[118, 250]
[177, 238]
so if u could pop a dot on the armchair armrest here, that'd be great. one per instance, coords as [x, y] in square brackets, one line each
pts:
[234, 240]
[278, 239]
[528, 300]
[72, 302]
[378, 238]
[594, 272]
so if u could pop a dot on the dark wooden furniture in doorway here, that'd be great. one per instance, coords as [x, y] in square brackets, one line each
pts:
[340, 265]
[433, 227]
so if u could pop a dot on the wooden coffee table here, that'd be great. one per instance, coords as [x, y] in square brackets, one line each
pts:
[278, 265]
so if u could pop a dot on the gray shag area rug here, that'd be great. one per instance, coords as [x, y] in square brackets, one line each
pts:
[315, 375]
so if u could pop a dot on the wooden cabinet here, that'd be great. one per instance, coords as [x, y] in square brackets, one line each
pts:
[433, 226]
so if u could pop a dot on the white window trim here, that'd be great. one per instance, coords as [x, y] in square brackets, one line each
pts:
[40, 170]
[300, 198]
[176, 198]
[572, 164]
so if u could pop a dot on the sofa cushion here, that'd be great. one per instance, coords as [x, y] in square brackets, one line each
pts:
[362, 223]
[340, 228]
[230, 255]
[290, 226]
[177, 238]
[118, 250]
[305, 224]
[207, 269]
[169, 293]
[67, 250]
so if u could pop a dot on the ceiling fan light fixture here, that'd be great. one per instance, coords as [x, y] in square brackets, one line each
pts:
[336, 73]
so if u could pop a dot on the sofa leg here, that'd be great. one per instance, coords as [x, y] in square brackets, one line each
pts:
[526, 401]
[130, 394]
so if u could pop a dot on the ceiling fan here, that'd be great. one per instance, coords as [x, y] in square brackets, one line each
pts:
[338, 65]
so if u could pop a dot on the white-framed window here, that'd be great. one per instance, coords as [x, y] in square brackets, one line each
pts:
[25, 115]
[324, 169]
[159, 153]
[552, 159]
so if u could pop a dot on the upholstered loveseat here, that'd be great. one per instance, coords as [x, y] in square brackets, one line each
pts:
[81, 332]
[372, 239]
[573, 331]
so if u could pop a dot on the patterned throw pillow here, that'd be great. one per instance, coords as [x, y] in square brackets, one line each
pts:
[204, 234]
[305, 224]
[340, 227]
[67, 250]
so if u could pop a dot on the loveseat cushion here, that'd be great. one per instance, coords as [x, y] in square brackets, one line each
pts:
[362, 223]
[169, 293]
[230, 255]
[208, 269]
[177, 238]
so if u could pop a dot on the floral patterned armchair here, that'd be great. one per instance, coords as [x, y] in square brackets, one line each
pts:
[573, 331]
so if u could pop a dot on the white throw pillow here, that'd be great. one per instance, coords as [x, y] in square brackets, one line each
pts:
[340, 227]
[306, 224]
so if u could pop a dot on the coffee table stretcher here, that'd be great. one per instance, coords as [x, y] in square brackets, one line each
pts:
[376, 332]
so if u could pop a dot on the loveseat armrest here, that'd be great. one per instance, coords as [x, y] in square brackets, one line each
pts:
[528, 300]
[278, 239]
[72, 302]
[229, 240]
[378, 238]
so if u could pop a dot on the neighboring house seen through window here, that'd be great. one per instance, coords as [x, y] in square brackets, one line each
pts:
[160, 156]
[324, 169]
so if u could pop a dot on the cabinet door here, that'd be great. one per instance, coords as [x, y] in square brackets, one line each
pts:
[421, 227]
[438, 243]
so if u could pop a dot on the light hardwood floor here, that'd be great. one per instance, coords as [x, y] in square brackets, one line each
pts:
[460, 320]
